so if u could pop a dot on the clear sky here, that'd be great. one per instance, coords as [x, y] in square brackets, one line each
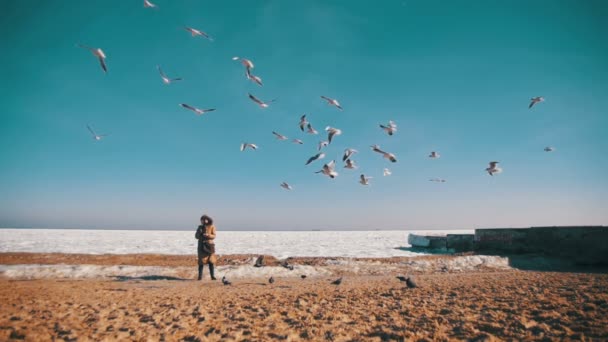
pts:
[456, 77]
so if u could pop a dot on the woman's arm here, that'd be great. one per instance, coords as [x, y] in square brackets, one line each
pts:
[211, 234]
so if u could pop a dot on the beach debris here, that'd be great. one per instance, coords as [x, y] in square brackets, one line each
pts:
[260, 102]
[535, 100]
[311, 130]
[329, 169]
[434, 155]
[390, 128]
[364, 179]
[287, 265]
[286, 186]
[350, 164]
[166, 78]
[96, 136]
[200, 33]
[97, 52]
[198, 111]
[348, 153]
[297, 141]
[319, 155]
[251, 146]
[271, 280]
[225, 281]
[303, 122]
[260, 262]
[148, 4]
[386, 172]
[332, 102]
[549, 149]
[337, 281]
[331, 132]
[493, 168]
[386, 155]
[279, 136]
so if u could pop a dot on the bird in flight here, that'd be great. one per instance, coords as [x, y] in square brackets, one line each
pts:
[437, 180]
[279, 136]
[97, 52]
[434, 155]
[198, 111]
[95, 135]
[196, 32]
[310, 129]
[297, 141]
[386, 172]
[148, 4]
[364, 180]
[248, 64]
[331, 132]
[251, 146]
[332, 102]
[329, 169]
[320, 155]
[254, 78]
[350, 164]
[549, 149]
[166, 78]
[493, 168]
[286, 186]
[322, 144]
[386, 155]
[535, 100]
[303, 122]
[260, 102]
[390, 129]
[348, 153]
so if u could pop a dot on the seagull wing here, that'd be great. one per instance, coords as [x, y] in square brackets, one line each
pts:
[313, 158]
[102, 62]
[91, 130]
[256, 100]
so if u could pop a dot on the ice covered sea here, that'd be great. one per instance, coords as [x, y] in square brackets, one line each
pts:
[281, 244]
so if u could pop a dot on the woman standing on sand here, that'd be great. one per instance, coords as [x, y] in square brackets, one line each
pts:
[205, 233]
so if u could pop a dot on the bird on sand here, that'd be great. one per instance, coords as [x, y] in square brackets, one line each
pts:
[303, 122]
[148, 4]
[225, 281]
[331, 132]
[409, 281]
[390, 129]
[166, 78]
[198, 111]
[260, 102]
[286, 186]
[350, 164]
[200, 33]
[386, 172]
[271, 280]
[95, 135]
[386, 155]
[337, 281]
[348, 153]
[493, 168]
[535, 100]
[320, 155]
[279, 136]
[364, 180]
[251, 146]
[549, 149]
[434, 155]
[329, 169]
[332, 102]
[97, 52]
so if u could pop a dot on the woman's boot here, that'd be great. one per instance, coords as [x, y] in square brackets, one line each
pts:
[200, 272]
[211, 271]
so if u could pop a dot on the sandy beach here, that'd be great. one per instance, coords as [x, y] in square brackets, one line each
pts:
[482, 305]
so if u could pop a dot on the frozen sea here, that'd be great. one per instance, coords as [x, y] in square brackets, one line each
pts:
[281, 244]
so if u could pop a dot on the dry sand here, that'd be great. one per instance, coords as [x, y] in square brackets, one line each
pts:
[483, 305]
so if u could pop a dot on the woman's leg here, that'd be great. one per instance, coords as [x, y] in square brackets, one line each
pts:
[200, 271]
[211, 270]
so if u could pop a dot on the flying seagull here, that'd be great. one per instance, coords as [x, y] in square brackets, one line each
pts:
[303, 122]
[364, 180]
[535, 100]
[348, 153]
[320, 155]
[95, 135]
[350, 164]
[492, 169]
[251, 146]
[246, 62]
[97, 52]
[297, 141]
[279, 136]
[165, 78]
[437, 180]
[254, 78]
[386, 172]
[322, 144]
[434, 155]
[390, 129]
[197, 110]
[386, 155]
[148, 4]
[311, 130]
[331, 132]
[549, 149]
[196, 32]
[329, 169]
[332, 102]
[286, 186]
[260, 102]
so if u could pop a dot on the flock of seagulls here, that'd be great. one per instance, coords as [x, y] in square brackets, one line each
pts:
[329, 168]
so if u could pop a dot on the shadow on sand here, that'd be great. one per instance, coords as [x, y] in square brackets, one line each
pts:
[148, 278]
[543, 263]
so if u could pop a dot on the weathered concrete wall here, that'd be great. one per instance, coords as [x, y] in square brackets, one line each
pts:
[460, 242]
[585, 245]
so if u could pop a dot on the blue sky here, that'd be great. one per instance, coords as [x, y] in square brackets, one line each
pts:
[456, 76]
